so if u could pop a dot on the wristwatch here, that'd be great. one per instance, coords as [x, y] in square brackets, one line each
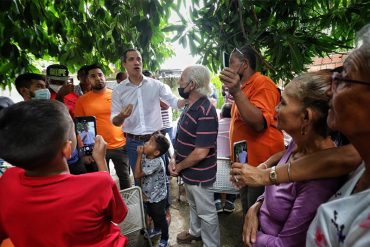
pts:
[273, 175]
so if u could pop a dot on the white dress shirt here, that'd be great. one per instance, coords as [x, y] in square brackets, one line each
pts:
[146, 114]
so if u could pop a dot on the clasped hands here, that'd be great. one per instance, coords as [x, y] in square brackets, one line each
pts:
[173, 168]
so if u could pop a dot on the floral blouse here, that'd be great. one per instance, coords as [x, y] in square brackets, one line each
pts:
[345, 219]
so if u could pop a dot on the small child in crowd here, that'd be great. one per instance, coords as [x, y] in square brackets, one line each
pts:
[150, 168]
[41, 203]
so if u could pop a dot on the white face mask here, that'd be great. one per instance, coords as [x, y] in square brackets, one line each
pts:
[55, 88]
[42, 94]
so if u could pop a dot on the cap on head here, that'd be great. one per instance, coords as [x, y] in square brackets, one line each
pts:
[58, 72]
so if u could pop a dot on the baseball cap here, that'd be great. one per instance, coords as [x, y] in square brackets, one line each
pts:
[58, 72]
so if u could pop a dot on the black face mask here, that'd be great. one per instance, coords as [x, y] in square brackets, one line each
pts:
[182, 93]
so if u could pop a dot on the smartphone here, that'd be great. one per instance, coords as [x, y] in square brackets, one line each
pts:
[86, 132]
[240, 151]
[226, 57]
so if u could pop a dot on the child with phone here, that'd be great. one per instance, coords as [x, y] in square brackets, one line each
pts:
[41, 203]
[150, 168]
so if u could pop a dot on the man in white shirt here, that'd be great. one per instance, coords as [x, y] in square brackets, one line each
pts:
[135, 104]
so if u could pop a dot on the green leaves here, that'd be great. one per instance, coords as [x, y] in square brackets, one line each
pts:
[79, 32]
[286, 34]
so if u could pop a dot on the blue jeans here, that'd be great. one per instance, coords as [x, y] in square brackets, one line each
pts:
[131, 148]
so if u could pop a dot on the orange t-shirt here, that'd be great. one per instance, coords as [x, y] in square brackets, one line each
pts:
[263, 94]
[98, 105]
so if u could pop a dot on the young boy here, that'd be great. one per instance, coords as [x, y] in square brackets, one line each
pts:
[41, 203]
[150, 168]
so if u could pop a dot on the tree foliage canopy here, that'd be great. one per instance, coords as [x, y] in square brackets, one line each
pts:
[77, 32]
[285, 34]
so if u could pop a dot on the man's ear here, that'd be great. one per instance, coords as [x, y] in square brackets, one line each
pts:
[156, 153]
[67, 149]
[25, 92]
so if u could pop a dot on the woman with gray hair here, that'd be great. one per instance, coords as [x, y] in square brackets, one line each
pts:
[345, 219]
[282, 215]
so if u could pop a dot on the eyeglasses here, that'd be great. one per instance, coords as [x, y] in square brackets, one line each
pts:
[238, 51]
[338, 79]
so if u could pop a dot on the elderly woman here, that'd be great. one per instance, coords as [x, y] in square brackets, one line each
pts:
[286, 210]
[345, 220]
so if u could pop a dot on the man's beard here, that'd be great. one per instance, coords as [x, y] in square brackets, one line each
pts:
[98, 86]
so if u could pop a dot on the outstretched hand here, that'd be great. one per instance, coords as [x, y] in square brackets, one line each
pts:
[126, 112]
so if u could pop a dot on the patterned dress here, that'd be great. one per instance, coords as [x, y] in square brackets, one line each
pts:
[345, 219]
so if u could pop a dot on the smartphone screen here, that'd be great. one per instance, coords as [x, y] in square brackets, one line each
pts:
[86, 132]
[240, 152]
[226, 57]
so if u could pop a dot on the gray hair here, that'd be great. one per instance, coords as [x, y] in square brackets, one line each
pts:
[310, 89]
[360, 57]
[201, 77]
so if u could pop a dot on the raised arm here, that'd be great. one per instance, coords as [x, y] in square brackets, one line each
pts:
[249, 112]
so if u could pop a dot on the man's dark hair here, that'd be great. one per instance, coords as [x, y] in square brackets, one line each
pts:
[162, 144]
[33, 132]
[250, 55]
[93, 66]
[119, 75]
[226, 110]
[25, 80]
[82, 72]
[124, 57]
[147, 73]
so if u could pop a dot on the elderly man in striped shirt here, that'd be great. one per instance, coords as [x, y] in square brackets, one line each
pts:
[195, 158]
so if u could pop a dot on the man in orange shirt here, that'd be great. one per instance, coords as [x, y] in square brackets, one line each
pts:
[98, 103]
[253, 116]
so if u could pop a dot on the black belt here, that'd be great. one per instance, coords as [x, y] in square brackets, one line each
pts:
[141, 138]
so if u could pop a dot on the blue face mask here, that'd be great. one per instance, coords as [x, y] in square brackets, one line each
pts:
[42, 94]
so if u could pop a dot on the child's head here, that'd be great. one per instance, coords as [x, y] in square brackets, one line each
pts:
[156, 146]
[34, 133]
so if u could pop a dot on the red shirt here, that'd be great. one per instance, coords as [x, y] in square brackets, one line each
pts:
[61, 210]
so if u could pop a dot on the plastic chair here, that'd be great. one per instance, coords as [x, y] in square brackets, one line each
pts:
[134, 223]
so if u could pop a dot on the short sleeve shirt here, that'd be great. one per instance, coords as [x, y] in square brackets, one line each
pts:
[263, 94]
[153, 183]
[198, 127]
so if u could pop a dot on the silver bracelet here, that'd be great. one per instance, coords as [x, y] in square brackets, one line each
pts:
[289, 178]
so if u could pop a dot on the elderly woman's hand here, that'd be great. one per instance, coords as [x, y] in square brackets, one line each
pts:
[251, 223]
[231, 80]
[244, 174]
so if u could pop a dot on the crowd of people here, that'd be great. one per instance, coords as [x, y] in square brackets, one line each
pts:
[315, 191]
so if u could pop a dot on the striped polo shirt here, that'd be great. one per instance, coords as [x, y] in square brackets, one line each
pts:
[198, 127]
